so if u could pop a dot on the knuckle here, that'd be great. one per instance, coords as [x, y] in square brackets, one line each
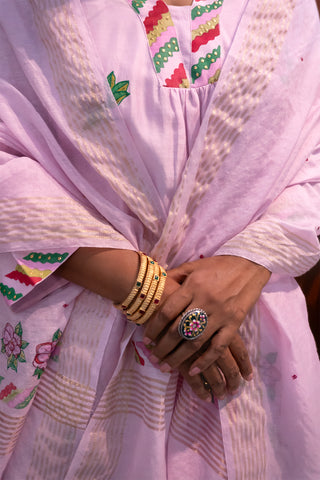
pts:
[234, 374]
[235, 311]
[220, 349]
[196, 277]
[218, 383]
[243, 356]
[193, 346]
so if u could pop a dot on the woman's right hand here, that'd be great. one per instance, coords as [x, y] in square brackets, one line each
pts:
[223, 377]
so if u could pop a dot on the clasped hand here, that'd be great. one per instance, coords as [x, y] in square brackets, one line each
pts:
[226, 287]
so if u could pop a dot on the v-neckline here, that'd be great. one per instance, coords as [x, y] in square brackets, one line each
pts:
[164, 45]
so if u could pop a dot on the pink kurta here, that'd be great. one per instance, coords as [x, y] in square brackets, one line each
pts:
[190, 156]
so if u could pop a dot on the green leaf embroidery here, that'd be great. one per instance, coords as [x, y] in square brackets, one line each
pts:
[38, 372]
[56, 335]
[119, 89]
[22, 357]
[3, 347]
[1, 378]
[18, 329]
[12, 363]
[111, 79]
[24, 344]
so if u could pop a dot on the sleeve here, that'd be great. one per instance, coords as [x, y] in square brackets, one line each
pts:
[23, 271]
[285, 238]
[41, 225]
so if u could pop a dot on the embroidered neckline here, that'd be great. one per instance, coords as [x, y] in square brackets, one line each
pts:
[164, 44]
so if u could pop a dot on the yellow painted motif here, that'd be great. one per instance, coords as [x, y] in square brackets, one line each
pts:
[163, 24]
[205, 27]
[33, 272]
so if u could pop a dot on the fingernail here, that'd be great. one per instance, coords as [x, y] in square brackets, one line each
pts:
[154, 359]
[146, 340]
[249, 378]
[165, 368]
[208, 400]
[194, 371]
[220, 397]
[234, 392]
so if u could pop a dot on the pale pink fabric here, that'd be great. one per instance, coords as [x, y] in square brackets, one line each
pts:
[102, 410]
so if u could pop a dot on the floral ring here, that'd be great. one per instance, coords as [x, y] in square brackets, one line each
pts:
[192, 324]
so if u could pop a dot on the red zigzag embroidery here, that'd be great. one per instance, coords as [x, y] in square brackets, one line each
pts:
[22, 278]
[205, 38]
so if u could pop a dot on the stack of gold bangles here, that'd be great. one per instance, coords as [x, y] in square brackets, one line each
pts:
[146, 293]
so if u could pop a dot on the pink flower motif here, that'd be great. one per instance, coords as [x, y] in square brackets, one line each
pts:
[12, 342]
[43, 353]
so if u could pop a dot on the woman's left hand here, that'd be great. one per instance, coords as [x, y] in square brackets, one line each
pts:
[226, 287]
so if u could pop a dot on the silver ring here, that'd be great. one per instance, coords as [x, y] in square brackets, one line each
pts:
[192, 324]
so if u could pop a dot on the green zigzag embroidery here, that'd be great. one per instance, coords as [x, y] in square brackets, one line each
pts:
[204, 63]
[46, 258]
[200, 10]
[138, 4]
[10, 293]
[119, 89]
[166, 51]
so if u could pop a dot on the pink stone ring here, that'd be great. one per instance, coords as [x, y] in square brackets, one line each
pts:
[192, 324]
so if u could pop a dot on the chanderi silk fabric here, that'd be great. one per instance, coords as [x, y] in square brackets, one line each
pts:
[181, 132]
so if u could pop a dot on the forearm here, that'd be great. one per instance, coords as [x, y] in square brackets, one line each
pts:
[109, 272]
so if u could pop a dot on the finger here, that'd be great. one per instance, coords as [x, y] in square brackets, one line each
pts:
[197, 384]
[230, 370]
[241, 356]
[217, 347]
[173, 351]
[178, 274]
[217, 381]
[168, 312]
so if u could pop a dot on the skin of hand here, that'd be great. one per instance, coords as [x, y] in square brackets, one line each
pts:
[226, 287]
[225, 375]
[111, 273]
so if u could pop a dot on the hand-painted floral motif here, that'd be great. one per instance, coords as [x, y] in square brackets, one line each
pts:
[15, 398]
[45, 351]
[120, 89]
[7, 391]
[13, 345]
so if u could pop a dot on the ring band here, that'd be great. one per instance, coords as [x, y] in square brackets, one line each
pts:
[206, 384]
[192, 324]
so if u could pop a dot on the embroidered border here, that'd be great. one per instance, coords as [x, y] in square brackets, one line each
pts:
[163, 44]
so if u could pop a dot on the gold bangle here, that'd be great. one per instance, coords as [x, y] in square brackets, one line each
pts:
[132, 311]
[153, 287]
[156, 299]
[138, 283]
